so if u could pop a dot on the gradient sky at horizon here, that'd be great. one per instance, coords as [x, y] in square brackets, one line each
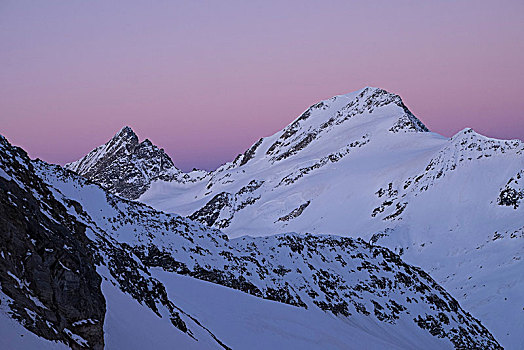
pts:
[206, 79]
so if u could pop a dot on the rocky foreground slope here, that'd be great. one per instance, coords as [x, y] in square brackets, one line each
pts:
[84, 268]
[362, 165]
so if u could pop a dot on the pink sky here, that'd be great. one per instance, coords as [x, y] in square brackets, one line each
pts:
[206, 79]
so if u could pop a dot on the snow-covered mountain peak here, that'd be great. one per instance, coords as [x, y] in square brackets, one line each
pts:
[365, 103]
[125, 140]
[332, 125]
[361, 165]
[358, 165]
[370, 99]
[468, 133]
[125, 164]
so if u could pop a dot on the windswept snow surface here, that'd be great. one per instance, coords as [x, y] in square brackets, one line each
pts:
[246, 322]
[131, 325]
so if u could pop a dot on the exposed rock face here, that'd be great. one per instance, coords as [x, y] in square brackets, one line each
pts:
[512, 194]
[220, 210]
[47, 264]
[125, 166]
[295, 212]
[209, 213]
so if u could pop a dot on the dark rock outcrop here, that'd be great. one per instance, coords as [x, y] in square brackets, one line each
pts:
[47, 264]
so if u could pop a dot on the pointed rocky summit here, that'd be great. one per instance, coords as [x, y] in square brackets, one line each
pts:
[124, 165]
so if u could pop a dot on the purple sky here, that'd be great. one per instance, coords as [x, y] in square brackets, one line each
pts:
[206, 79]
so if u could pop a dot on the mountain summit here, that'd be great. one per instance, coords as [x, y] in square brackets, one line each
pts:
[329, 123]
[125, 165]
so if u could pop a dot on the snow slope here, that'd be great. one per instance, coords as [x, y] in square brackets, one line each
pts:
[260, 324]
[338, 284]
[14, 336]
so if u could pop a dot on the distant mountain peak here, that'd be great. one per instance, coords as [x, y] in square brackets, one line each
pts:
[379, 97]
[318, 129]
[125, 165]
[371, 95]
[363, 112]
[366, 101]
[125, 138]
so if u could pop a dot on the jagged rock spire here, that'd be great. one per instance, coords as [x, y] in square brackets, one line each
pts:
[124, 165]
